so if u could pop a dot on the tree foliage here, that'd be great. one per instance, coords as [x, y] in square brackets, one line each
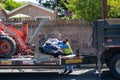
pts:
[61, 4]
[85, 9]
[47, 3]
[92, 9]
[52, 3]
[88, 9]
[11, 4]
[113, 8]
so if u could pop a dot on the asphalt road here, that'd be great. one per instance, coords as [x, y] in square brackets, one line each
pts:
[78, 74]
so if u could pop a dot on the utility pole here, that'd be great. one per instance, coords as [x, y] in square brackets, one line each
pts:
[104, 9]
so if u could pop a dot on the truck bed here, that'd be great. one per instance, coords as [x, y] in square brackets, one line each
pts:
[105, 35]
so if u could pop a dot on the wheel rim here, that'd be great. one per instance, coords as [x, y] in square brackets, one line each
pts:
[118, 66]
[4, 47]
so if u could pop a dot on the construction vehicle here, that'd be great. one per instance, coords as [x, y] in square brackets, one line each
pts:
[13, 41]
[105, 39]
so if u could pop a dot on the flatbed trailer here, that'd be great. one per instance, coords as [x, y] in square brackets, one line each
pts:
[106, 40]
[59, 61]
[30, 64]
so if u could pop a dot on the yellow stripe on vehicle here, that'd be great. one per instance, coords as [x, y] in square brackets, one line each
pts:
[73, 61]
[6, 62]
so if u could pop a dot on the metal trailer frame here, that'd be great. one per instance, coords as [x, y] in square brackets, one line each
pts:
[74, 59]
[29, 60]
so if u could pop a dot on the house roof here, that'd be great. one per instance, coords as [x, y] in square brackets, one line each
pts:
[33, 4]
[6, 11]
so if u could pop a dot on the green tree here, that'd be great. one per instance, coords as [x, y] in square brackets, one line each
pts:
[2, 4]
[113, 8]
[61, 4]
[85, 9]
[11, 4]
[52, 4]
[92, 9]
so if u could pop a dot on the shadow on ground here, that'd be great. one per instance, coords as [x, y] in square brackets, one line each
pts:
[85, 75]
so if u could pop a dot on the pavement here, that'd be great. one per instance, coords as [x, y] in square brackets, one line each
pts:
[53, 74]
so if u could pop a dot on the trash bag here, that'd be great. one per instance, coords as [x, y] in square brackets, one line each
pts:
[50, 49]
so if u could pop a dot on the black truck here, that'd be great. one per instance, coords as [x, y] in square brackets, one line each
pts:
[106, 39]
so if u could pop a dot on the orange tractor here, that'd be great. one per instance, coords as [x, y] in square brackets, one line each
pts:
[13, 41]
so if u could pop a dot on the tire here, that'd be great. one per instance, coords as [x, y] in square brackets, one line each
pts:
[115, 66]
[7, 46]
[107, 63]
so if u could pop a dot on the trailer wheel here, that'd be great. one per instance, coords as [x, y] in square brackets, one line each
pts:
[115, 66]
[7, 47]
[107, 63]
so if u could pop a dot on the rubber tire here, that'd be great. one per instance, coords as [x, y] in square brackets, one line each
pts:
[107, 63]
[112, 66]
[12, 46]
